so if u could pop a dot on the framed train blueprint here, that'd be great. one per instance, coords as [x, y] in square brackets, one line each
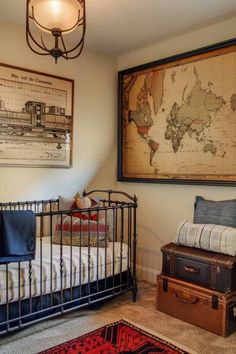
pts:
[177, 118]
[36, 118]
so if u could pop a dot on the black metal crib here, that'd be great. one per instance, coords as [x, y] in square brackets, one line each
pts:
[63, 277]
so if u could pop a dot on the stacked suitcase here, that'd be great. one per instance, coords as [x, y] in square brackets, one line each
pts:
[199, 287]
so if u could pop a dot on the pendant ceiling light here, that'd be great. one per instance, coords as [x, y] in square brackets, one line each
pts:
[48, 22]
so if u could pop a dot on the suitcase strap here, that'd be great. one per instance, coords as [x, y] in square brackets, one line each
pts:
[214, 302]
[191, 269]
[214, 298]
[186, 301]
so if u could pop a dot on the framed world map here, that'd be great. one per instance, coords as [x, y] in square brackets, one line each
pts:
[177, 118]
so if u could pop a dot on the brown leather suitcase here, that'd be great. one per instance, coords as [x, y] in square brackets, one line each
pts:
[212, 270]
[205, 308]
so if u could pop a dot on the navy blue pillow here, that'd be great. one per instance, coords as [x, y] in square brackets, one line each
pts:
[215, 212]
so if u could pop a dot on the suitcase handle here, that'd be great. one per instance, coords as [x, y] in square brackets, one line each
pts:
[191, 269]
[185, 301]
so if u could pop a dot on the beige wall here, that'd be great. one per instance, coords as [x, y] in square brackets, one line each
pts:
[162, 206]
[94, 116]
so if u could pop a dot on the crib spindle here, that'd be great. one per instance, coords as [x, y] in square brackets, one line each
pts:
[134, 248]
[41, 262]
[61, 266]
[51, 256]
[114, 215]
[106, 245]
[80, 258]
[89, 257]
[71, 235]
[7, 297]
[19, 294]
[121, 244]
[98, 263]
[129, 242]
[30, 286]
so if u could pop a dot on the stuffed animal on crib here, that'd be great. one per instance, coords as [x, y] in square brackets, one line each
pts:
[83, 203]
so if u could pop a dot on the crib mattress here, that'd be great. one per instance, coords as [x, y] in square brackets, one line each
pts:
[103, 262]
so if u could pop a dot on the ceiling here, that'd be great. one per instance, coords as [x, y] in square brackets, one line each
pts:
[119, 26]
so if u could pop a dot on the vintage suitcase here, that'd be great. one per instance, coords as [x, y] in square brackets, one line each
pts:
[203, 307]
[212, 270]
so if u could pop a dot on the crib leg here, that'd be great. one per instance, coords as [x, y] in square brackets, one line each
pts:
[134, 290]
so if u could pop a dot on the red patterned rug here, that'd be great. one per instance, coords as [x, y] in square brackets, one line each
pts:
[120, 337]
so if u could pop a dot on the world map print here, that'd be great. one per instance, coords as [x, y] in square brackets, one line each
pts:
[179, 120]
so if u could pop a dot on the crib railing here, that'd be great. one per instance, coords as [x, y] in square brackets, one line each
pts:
[64, 276]
[36, 205]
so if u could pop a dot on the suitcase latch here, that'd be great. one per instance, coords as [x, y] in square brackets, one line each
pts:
[165, 285]
[214, 302]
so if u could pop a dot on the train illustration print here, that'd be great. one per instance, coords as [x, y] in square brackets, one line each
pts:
[36, 121]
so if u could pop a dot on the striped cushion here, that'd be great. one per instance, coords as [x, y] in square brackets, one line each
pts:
[210, 237]
[79, 232]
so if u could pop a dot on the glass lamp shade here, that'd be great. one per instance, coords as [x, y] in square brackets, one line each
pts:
[56, 14]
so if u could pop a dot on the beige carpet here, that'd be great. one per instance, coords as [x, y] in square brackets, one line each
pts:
[143, 312]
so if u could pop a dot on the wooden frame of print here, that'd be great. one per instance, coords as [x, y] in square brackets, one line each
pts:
[36, 118]
[177, 118]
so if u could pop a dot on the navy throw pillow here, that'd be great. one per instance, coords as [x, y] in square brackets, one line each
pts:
[215, 212]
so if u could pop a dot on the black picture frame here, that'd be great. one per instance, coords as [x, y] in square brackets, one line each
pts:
[229, 45]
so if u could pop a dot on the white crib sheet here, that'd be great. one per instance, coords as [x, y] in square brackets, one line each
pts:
[98, 269]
